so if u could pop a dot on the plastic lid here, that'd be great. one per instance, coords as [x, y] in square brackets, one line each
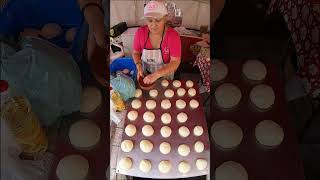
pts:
[3, 86]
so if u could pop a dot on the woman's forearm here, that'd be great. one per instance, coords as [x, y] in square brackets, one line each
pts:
[84, 2]
[168, 68]
[136, 57]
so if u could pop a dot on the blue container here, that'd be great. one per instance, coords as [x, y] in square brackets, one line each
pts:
[124, 63]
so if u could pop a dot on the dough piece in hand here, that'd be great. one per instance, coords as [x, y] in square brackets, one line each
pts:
[181, 104]
[146, 146]
[90, 99]
[269, 133]
[198, 130]
[72, 167]
[153, 93]
[165, 148]
[166, 118]
[165, 104]
[227, 95]
[138, 93]
[169, 93]
[231, 170]
[194, 104]
[198, 147]
[226, 134]
[182, 117]
[70, 34]
[148, 117]
[84, 134]
[219, 70]
[184, 131]
[183, 150]
[254, 70]
[127, 145]
[51, 30]
[147, 130]
[262, 96]
[136, 104]
[151, 104]
[181, 92]
[189, 84]
[165, 131]
[176, 83]
[132, 115]
[192, 92]
[145, 166]
[165, 83]
[201, 164]
[130, 130]
[164, 166]
[184, 167]
[125, 164]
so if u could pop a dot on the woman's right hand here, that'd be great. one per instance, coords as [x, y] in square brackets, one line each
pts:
[139, 71]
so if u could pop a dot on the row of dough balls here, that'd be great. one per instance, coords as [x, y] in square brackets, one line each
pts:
[165, 104]
[252, 70]
[164, 166]
[169, 93]
[177, 83]
[149, 117]
[165, 131]
[228, 135]
[228, 96]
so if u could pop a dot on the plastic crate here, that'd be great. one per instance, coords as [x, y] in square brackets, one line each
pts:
[124, 63]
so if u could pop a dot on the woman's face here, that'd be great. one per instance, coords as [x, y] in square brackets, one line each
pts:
[156, 25]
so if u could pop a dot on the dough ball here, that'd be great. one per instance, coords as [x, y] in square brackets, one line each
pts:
[219, 70]
[148, 117]
[198, 130]
[181, 92]
[269, 133]
[151, 104]
[231, 170]
[138, 93]
[165, 131]
[165, 104]
[165, 83]
[169, 93]
[84, 134]
[183, 150]
[146, 146]
[125, 163]
[164, 166]
[227, 95]
[130, 130]
[189, 84]
[72, 167]
[70, 34]
[194, 104]
[145, 166]
[90, 99]
[176, 83]
[184, 167]
[147, 130]
[51, 30]
[132, 115]
[153, 93]
[166, 118]
[262, 96]
[254, 70]
[181, 104]
[165, 148]
[127, 145]
[192, 92]
[136, 104]
[201, 164]
[198, 147]
[182, 117]
[226, 134]
[184, 131]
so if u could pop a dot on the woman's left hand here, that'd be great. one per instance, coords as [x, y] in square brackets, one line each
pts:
[151, 78]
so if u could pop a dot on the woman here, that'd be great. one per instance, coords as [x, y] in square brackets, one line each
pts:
[156, 47]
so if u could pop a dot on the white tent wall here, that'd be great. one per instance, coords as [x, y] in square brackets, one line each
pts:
[195, 13]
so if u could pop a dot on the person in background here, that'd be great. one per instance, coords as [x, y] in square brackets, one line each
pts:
[156, 47]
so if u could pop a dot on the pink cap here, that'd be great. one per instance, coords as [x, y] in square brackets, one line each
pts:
[155, 9]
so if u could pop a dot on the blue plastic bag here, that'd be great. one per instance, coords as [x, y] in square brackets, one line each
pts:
[124, 85]
[124, 63]
[47, 75]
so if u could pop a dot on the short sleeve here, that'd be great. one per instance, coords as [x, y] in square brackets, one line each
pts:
[174, 44]
[137, 39]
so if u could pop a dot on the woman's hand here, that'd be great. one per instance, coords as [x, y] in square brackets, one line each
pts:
[151, 78]
[139, 71]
